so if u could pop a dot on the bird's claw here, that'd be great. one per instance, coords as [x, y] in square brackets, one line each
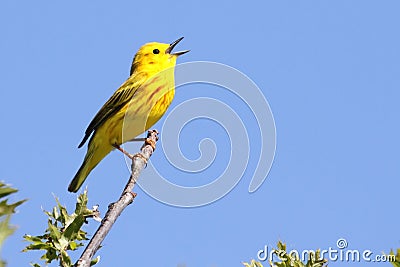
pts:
[151, 143]
[126, 153]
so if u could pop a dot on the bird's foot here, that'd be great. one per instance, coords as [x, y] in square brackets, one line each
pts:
[150, 141]
[126, 153]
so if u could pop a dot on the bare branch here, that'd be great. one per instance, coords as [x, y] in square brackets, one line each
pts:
[115, 209]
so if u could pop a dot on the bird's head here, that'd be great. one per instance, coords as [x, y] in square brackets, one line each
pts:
[156, 57]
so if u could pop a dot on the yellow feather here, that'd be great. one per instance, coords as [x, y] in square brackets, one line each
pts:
[135, 107]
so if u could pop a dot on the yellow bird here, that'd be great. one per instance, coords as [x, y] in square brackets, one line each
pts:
[136, 106]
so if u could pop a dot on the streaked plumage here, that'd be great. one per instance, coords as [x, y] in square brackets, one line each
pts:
[137, 105]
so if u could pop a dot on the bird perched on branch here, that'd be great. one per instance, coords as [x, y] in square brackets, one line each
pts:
[136, 106]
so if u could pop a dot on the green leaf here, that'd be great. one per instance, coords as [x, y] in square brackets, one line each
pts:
[65, 260]
[6, 190]
[34, 239]
[63, 233]
[281, 246]
[5, 229]
[73, 245]
[396, 263]
[81, 203]
[72, 230]
[55, 213]
[54, 232]
[38, 246]
[50, 255]
[253, 263]
[7, 209]
[95, 260]
[81, 236]
[64, 218]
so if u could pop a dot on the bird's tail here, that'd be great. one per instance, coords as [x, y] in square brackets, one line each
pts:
[93, 156]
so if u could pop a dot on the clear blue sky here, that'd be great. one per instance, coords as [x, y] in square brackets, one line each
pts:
[329, 70]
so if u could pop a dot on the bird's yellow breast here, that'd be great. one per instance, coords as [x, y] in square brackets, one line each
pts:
[146, 107]
[160, 108]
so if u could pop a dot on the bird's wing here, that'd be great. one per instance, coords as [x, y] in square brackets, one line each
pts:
[121, 97]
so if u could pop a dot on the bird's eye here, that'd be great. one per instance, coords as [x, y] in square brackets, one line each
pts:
[156, 51]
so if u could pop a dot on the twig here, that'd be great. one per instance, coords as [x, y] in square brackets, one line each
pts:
[115, 209]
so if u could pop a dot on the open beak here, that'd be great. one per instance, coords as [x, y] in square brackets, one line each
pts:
[172, 45]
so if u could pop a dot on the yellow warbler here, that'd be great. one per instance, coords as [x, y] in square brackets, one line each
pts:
[137, 105]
